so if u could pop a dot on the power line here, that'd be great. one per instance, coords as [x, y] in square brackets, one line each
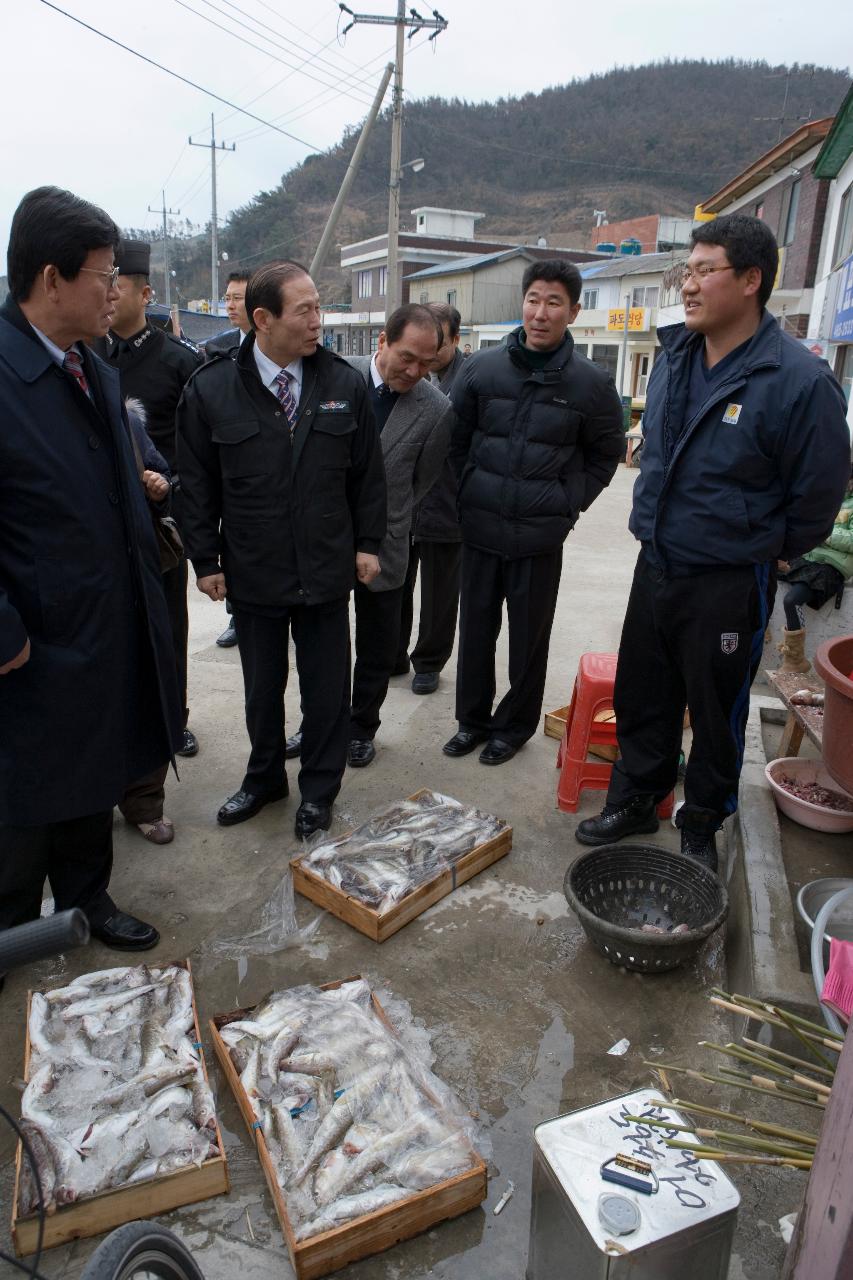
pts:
[234, 35]
[177, 76]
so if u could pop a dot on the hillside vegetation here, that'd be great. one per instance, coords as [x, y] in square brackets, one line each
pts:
[633, 140]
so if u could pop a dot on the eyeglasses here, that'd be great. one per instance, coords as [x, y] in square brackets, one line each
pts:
[110, 276]
[701, 272]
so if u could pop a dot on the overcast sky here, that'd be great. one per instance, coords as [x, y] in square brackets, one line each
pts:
[84, 114]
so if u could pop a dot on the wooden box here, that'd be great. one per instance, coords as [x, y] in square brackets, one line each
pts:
[379, 927]
[329, 1251]
[555, 727]
[112, 1208]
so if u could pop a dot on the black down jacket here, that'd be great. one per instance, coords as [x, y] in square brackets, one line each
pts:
[532, 448]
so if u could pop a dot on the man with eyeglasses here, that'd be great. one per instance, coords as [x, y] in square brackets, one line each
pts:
[88, 695]
[746, 456]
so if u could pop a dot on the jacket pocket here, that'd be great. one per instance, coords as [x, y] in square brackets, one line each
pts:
[241, 451]
[56, 601]
[334, 433]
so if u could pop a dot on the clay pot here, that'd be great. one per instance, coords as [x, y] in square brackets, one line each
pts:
[834, 663]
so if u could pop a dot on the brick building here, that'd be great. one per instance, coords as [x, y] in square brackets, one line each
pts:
[782, 188]
[654, 232]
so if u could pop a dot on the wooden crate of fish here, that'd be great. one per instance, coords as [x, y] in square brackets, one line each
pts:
[361, 1146]
[388, 871]
[117, 1109]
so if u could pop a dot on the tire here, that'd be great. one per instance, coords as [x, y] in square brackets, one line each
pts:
[141, 1251]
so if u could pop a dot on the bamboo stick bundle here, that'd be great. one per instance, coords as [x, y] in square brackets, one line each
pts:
[788, 1057]
[762, 1145]
[760, 1126]
[741, 1082]
[811, 1032]
[734, 1157]
[744, 1055]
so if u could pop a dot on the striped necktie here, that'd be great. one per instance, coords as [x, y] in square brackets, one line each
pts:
[73, 364]
[286, 400]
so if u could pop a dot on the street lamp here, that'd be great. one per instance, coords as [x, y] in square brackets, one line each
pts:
[393, 290]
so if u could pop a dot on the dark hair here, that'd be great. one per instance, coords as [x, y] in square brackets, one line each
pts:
[416, 313]
[234, 276]
[266, 286]
[52, 227]
[748, 242]
[566, 273]
[446, 315]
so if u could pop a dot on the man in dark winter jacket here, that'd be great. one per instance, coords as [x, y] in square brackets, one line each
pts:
[88, 695]
[745, 460]
[538, 436]
[284, 508]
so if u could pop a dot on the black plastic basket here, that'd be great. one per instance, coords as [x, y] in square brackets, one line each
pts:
[616, 889]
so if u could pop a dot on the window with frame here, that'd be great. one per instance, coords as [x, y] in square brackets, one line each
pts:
[589, 299]
[364, 282]
[844, 233]
[645, 295]
[424, 298]
[790, 208]
[451, 297]
[606, 357]
[374, 340]
[383, 282]
[339, 342]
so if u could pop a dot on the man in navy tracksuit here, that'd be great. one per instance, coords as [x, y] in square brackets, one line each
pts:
[746, 456]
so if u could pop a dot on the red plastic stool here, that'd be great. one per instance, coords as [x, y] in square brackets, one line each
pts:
[592, 695]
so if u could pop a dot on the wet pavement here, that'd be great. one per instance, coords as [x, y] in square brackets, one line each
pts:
[521, 1011]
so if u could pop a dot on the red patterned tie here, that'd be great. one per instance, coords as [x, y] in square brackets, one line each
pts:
[73, 364]
[286, 400]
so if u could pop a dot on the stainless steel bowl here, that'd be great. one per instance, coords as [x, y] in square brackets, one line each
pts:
[813, 895]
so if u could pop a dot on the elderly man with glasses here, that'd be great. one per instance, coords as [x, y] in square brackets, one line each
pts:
[88, 694]
[746, 456]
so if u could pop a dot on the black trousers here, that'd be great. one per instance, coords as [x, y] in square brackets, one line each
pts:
[688, 642]
[439, 566]
[321, 637]
[529, 586]
[377, 634]
[76, 857]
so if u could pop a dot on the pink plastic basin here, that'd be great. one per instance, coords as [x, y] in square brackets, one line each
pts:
[815, 816]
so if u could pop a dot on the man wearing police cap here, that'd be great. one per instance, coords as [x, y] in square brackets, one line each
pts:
[153, 366]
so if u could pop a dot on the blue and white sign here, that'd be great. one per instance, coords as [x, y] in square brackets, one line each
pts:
[842, 324]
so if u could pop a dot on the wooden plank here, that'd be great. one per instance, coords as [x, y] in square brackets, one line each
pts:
[786, 683]
[555, 723]
[381, 927]
[110, 1209]
[330, 1251]
[822, 1244]
[792, 737]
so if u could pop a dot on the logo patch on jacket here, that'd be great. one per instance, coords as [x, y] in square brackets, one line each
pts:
[333, 406]
[728, 641]
[732, 413]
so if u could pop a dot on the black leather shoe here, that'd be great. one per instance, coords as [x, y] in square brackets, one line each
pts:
[496, 751]
[228, 639]
[633, 818]
[700, 845]
[125, 933]
[360, 752]
[310, 818]
[464, 742]
[425, 682]
[190, 745]
[243, 805]
[293, 746]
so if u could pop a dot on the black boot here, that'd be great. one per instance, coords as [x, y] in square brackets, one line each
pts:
[631, 818]
[698, 827]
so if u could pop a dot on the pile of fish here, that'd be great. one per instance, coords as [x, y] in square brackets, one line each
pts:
[404, 845]
[347, 1119]
[116, 1090]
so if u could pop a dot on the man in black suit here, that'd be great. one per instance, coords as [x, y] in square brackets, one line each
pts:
[88, 695]
[284, 508]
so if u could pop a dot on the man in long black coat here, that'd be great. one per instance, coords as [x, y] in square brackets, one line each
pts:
[88, 697]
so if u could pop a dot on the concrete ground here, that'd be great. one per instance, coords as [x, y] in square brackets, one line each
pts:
[520, 1009]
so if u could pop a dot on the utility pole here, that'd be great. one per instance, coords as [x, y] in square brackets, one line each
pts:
[415, 23]
[174, 213]
[624, 349]
[214, 228]
[319, 258]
